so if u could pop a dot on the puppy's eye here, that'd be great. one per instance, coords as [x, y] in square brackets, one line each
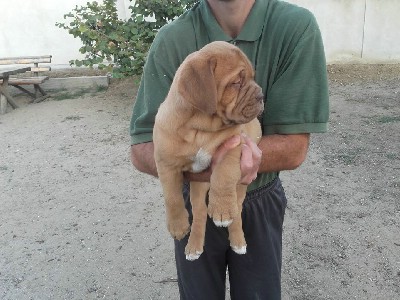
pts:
[237, 83]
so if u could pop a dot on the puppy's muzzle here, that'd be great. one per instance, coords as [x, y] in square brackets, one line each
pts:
[260, 100]
[260, 97]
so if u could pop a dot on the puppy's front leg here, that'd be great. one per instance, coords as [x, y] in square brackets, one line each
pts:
[222, 207]
[177, 215]
[198, 193]
[236, 235]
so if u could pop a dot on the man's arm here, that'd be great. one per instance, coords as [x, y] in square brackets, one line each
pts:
[142, 158]
[283, 152]
[273, 153]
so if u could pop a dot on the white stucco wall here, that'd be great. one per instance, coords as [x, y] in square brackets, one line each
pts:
[28, 28]
[382, 31]
[365, 31]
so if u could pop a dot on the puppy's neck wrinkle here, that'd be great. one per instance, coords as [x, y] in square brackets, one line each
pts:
[207, 123]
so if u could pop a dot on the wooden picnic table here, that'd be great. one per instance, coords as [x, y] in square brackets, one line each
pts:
[4, 94]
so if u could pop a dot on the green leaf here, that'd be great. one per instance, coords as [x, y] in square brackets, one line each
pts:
[83, 28]
[78, 63]
[134, 30]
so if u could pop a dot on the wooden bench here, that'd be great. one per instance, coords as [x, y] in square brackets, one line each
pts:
[31, 77]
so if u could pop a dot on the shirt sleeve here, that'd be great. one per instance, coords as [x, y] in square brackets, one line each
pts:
[154, 86]
[298, 99]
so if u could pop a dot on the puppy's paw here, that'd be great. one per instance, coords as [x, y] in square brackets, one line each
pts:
[236, 238]
[239, 249]
[178, 231]
[179, 226]
[224, 223]
[194, 247]
[192, 252]
[222, 217]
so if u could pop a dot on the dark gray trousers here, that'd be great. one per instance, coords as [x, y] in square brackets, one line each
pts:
[254, 275]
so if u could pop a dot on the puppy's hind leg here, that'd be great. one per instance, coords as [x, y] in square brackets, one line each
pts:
[236, 234]
[177, 215]
[198, 193]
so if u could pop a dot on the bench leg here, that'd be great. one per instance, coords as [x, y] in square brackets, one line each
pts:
[3, 104]
[4, 92]
[40, 99]
[24, 90]
[38, 89]
[35, 96]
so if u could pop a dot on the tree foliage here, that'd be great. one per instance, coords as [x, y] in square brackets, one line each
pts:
[117, 45]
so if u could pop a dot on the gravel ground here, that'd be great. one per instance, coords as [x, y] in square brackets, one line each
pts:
[78, 222]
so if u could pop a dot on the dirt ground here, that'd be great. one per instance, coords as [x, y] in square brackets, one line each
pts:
[78, 222]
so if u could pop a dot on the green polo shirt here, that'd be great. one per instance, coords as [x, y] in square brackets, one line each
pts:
[284, 44]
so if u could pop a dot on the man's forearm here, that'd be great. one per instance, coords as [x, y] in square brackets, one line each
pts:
[283, 152]
[142, 157]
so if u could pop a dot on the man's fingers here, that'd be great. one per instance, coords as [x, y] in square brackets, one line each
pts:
[250, 160]
[250, 156]
[246, 160]
[232, 142]
[253, 146]
[247, 165]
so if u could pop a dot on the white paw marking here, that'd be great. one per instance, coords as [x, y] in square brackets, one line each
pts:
[192, 257]
[223, 223]
[239, 250]
[201, 161]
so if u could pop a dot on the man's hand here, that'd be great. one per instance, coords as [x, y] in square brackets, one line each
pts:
[250, 159]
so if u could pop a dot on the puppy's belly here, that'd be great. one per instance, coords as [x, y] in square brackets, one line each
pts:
[201, 161]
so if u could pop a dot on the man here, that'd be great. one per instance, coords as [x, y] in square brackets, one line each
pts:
[284, 44]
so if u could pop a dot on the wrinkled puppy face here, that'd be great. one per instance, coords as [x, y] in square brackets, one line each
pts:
[219, 79]
[240, 98]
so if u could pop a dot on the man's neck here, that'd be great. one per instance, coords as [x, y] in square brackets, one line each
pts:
[231, 14]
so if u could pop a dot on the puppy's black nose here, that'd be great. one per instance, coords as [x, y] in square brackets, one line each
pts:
[260, 97]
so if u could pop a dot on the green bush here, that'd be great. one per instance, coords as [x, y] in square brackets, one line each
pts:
[119, 46]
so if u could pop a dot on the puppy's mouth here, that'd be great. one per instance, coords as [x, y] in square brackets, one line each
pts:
[246, 115]
[231, 122]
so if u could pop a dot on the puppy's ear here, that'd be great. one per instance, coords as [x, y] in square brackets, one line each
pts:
[197, 83]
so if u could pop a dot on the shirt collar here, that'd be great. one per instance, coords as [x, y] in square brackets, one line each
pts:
[251, 30]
